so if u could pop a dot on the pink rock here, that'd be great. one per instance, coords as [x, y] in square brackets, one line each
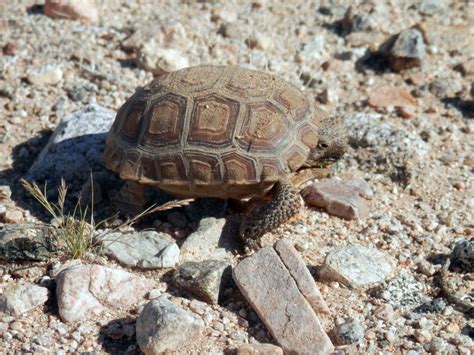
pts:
[390, 96]
[72, 9]
[345, 199]
[259, 349]
[284, 299]
[300, 273]
[85, 289]
[467, 68]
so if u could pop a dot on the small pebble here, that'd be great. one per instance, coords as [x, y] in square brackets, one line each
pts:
[47, 75]
[350, 332]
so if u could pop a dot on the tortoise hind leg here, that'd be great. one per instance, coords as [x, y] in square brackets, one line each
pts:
[132, 198]
[286, 203]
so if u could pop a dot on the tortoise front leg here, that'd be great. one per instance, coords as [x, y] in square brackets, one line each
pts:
[285, 203]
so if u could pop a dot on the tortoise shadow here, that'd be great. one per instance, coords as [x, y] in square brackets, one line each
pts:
[75, 159]
[63, 163]
[23, 154]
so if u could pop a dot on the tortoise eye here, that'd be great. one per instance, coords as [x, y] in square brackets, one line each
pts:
[323, 145]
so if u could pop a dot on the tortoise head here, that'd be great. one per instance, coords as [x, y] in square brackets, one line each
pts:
[332, 142]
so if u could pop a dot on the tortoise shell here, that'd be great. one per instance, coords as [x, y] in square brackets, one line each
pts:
[213, 131]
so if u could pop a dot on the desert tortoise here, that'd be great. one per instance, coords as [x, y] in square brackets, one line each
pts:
[226, 132]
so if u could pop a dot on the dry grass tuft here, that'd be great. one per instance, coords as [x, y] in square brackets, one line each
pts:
[74, 232]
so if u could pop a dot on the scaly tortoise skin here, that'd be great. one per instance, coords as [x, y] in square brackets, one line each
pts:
[226, 132]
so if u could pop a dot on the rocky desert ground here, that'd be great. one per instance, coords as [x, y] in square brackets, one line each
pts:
[400, 74]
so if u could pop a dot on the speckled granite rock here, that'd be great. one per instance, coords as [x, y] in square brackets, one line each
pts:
[164, 326]
[85, 289]
[75, 147]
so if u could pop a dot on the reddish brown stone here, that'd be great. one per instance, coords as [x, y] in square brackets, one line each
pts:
[302, 276]
[467, 68]
[11, 216]
[10, 48]
[417, 79]
[70, 9]
[284, 298]
[345, 199]
[390, 96]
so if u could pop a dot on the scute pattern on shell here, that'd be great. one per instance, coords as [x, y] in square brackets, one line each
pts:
[213, 131]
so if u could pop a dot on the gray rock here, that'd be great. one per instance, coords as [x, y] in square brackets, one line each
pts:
[164, 326]
[346, 199]
[268, 281]
[22, 242]
[314, 49]
[75, 148]
[386, 148]
[433, 7]
[403, 292]
[259, 349]
[370, 130]
[463, 254]
[85, 289]
[405, 50]
[437, 346]
[357, 266]
[207, 242]
[18, 299]
[202, 279]
[145, 250]
[350, 332]
[333, 8]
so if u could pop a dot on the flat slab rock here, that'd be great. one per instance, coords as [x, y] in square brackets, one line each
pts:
[144, 250]
[279, 287]
[357, 266]
[343, 198]
[85, 289]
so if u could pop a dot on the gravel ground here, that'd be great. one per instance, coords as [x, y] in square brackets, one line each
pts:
[422, 177]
